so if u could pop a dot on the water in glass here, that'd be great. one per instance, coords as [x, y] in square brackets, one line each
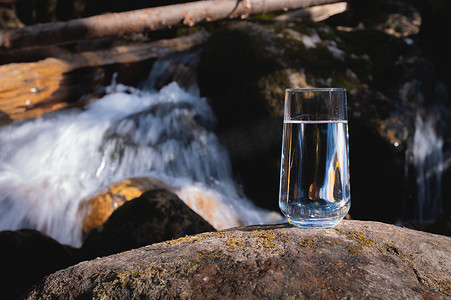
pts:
[314, 179]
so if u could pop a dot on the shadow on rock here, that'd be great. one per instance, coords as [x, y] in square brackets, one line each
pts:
[26, 257]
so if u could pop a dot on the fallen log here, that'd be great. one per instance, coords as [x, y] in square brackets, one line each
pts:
[29, 90]
[315, 13]
[144, 20]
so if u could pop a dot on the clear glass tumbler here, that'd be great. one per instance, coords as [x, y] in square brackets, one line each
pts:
[314, 173]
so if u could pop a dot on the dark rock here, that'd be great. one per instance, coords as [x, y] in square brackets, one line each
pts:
[8, 16]
[435, 15]
[390, 78]
[97, 209]
[26, 257]
[95, 7]
[232, 57]
[236, 57]
[376, 192]
[155, 216]
[40, 11]
[260, 60]
[355, 260]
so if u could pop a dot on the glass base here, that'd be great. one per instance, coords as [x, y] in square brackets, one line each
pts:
[315, 216]
[309, 224]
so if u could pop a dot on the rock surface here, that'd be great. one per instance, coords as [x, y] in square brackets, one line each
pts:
[354, 260]
[155, 216]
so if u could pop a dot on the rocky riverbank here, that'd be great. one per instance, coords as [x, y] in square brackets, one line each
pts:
[156, 216]
[397, 76]
[354, 260]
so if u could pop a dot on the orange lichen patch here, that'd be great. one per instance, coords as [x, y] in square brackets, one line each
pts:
[266, 239]
[308, 243]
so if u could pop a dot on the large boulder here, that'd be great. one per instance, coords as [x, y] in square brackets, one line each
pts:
[354, 260]
[155, 216]
[390, 79]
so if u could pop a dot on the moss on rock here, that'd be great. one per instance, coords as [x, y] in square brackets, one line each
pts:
[268, 262]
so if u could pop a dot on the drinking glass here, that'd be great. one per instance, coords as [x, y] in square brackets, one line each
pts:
[314, 174]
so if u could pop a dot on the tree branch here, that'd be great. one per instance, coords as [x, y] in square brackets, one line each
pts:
[144, 20]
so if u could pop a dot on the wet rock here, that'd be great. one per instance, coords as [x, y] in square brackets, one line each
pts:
[26, 257]
[374, 53]
[354, 260]
[209, 205]
[97, 210]
[435, 17]
[8, 16]
[155, 216]
[233, 57]
[264, 59]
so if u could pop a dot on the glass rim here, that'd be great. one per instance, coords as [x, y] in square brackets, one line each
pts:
[290, 90]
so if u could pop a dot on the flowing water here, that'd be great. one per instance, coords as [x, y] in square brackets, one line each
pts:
[49, 165]
[426, 157]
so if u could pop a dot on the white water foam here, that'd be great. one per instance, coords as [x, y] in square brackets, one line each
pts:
[49, 165]
[428, 160]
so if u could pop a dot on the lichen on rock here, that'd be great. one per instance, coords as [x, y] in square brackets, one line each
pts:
[355, 259]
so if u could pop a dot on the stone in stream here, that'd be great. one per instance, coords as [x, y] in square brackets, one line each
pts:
[356, 259]
[26, 256]
[97, 210]
[155, 216]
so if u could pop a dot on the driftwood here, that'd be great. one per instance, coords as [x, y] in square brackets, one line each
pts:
[144, 20]
[29, 90]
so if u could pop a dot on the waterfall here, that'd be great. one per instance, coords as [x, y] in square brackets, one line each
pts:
[49, 165]
[426, 156]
